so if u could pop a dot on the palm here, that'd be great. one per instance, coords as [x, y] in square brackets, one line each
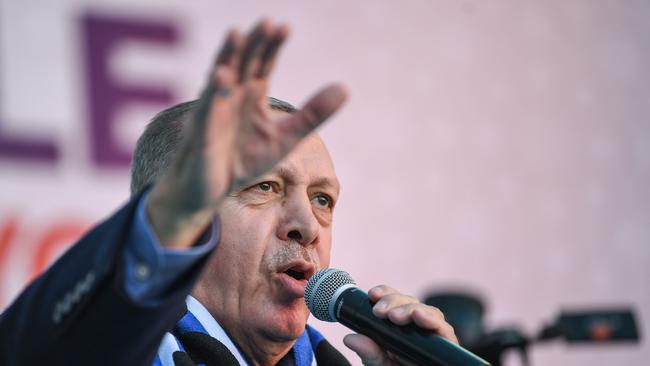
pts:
[240, 138]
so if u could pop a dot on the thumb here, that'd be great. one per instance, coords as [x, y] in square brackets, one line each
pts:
[316, 111]
[369, 352]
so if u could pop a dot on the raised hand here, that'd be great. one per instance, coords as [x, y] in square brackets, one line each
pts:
[233, 137]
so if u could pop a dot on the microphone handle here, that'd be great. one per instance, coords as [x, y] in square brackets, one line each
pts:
[353, 309]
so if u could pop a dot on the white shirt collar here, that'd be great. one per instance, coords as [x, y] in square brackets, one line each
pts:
[213, 328]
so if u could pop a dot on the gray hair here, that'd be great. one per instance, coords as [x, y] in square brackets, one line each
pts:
[160, 140]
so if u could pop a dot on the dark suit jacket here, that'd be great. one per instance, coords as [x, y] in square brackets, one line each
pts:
[77, 313]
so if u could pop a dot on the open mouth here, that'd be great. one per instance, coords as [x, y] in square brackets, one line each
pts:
[298, 275]
[293, 277]
[300, 271]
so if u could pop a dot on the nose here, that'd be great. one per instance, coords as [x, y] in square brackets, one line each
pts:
[298, 222]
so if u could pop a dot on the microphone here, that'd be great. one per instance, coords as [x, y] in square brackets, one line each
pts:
[332, 295]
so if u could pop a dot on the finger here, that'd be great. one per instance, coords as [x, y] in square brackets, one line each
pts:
[318, 109]
[369, 351]
[434, 321]
[231, 46]
[269, 55]
[378, 292]
[390, 303]
[227, 57]
[402, 314]
[253, 46]
[220, 81]
[213, 104]
[225, 82]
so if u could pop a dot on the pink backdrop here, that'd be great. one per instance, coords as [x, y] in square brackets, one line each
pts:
[500, 146]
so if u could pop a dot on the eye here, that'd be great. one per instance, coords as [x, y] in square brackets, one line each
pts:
[322, 201]
[265, 187]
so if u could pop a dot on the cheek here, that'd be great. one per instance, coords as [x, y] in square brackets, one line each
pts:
[324, 249]
[325, 260]
[234, 267]
[245, 234]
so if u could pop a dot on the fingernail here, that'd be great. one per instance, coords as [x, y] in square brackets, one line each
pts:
[375, 291]
[380, 306]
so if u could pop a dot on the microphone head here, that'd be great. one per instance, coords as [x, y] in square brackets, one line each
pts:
[323, 289]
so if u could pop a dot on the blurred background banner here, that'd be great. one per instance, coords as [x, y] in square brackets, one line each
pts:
[498, 147]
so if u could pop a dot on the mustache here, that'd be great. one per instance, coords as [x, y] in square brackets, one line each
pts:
[294, 251]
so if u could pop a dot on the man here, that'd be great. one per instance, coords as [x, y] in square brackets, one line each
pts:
[255, 179]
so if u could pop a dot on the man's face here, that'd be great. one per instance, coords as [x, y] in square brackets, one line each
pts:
[274, 235]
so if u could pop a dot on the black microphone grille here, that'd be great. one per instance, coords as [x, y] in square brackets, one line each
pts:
[321, 292]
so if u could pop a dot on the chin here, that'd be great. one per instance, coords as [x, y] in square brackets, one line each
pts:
[288, 323]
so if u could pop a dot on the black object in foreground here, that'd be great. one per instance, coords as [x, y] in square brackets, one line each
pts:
[593, 326]
[331, 295]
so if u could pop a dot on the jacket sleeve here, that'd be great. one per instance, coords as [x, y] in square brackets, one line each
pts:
[77, 312]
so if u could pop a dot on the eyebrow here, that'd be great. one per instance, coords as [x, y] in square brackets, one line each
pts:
[287, 173]
[327, 182]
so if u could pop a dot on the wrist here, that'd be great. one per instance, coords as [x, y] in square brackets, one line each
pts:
[176, 225]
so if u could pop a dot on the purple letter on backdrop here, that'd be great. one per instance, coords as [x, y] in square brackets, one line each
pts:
[28, 148]
[106, 95]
